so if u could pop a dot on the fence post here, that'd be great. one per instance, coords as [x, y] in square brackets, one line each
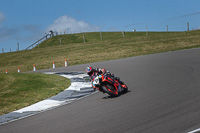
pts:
[38, 44]
[60, 40]
[146, 30]
[101, 36]
[10, 49]
[46, 35]
[167, 28]
[83, 37]
[18, 46]
[123, 33]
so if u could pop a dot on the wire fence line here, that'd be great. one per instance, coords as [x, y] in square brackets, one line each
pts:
[55, 33]
[51, 34]
[36, 43]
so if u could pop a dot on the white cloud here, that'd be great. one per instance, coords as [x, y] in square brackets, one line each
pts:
[2, 17]
[70, 25]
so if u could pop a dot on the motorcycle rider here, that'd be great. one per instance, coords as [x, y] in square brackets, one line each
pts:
[93, 72]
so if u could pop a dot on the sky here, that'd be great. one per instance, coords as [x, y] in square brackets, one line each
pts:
[26, 21]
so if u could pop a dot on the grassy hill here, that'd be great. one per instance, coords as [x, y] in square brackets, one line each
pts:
[112, 46]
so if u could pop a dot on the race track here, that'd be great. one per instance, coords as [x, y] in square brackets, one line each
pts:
[164, 97]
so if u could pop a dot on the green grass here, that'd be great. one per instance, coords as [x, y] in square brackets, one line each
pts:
[113, 46]
[19, 90]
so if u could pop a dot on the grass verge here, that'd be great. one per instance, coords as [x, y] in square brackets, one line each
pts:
[19, 90]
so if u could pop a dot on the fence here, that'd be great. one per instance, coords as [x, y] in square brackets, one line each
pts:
[37, 43]
[56, 33]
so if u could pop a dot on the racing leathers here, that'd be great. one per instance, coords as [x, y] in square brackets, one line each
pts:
[98, 71]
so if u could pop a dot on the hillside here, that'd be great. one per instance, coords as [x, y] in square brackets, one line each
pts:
[79, 48]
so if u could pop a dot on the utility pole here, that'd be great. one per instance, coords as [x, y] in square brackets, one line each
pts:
[2, 50]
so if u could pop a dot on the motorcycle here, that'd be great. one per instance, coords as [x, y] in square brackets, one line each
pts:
[108, 84]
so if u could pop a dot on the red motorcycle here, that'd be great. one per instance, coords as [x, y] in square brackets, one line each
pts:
[108, 84]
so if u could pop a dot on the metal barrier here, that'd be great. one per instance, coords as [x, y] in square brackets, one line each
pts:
[37, 43]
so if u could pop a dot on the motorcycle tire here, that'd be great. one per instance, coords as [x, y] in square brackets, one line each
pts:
[126, 89]
[109, 89]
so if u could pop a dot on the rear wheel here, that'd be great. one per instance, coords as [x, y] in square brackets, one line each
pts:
[110, 89]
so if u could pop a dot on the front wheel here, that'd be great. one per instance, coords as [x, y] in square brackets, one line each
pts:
[109, 89]
[125, 88]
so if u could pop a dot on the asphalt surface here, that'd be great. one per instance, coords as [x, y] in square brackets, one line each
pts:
[164, 97]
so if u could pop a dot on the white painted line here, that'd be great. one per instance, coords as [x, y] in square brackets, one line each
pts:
[195, 131]
[48, 103]
[43, 105]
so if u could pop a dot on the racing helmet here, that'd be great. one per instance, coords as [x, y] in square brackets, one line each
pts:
[89, 70]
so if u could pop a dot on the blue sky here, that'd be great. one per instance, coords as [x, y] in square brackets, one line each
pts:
[25, 21]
